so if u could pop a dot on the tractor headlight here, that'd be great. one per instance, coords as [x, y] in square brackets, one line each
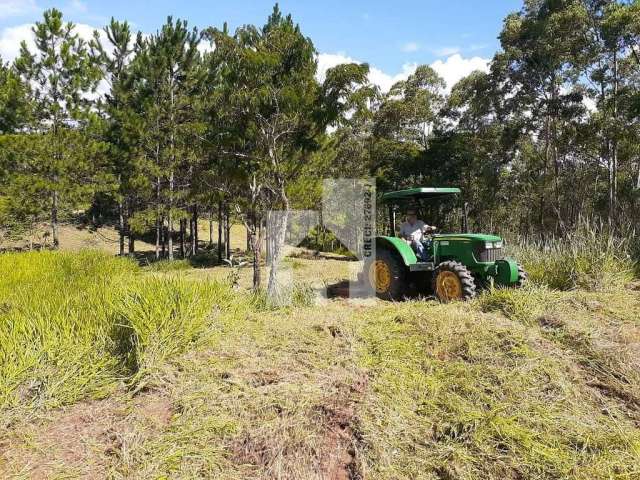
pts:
[498, 244]
[488, 245]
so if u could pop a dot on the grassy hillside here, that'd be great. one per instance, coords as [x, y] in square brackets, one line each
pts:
[111, 370]
[75, 237]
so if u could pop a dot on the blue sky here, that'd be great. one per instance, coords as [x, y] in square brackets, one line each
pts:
[392, 36]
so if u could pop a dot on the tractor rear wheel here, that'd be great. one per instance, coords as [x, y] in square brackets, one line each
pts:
[387, 275]
[523, 278]
[453, 281]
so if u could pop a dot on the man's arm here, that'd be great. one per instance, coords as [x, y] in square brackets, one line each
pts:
[403, 234]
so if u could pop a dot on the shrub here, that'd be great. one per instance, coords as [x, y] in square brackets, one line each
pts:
[168, 266]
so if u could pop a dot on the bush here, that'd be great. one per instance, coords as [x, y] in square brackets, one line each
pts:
[590, 258]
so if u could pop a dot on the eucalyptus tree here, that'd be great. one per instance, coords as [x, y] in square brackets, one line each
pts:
[403, 126]
[540, 44]
[62, 78]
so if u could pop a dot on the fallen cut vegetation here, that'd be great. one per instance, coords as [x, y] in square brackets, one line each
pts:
[114, 371]
[461, 394]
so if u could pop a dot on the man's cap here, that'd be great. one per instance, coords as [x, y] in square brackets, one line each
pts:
[411, 211]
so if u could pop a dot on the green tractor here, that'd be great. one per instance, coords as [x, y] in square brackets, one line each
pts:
[456, 266]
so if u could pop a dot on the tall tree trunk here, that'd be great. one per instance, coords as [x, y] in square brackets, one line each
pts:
[210, 228]
[121, 227]
[227, 232]
[194, 231]
[170, 218]
[158, 237]
[163, 233]
[277, 231]
[54, 220]
[256, 248]
[220, 216]
[614, 144]
[127, 225]
[183, 228]
[159, 220]
[169, 237]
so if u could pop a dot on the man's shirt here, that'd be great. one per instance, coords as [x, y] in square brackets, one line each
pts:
[412, 231]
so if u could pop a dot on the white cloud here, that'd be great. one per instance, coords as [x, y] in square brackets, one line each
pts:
[452, 69]
[330, 60]
[455, 68]
[205, 46]
[410, 47]
[386, 81]
[17, 8]
[10, 39]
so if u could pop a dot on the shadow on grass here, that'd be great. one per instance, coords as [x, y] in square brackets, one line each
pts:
[207, 257]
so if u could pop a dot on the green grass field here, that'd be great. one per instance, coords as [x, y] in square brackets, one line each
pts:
[112, 370]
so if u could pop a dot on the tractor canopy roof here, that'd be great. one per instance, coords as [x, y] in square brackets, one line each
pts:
[426, 193]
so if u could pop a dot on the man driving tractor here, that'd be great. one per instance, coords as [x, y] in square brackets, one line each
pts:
[413, 231]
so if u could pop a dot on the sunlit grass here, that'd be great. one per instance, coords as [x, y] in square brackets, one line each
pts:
[73, 325]
[588, 258]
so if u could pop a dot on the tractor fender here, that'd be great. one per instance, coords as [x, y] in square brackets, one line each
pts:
[506, 272]
[400, 246]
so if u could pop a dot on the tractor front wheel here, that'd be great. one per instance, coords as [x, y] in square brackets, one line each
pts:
[453, 281]
[387, 275]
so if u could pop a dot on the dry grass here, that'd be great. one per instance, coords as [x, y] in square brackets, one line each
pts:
[75, 238]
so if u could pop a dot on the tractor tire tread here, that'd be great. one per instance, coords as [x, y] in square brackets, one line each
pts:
[469, 289]
[399, 283]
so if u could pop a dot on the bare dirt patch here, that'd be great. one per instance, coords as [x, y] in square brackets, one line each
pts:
[84, 440]
[339, 452]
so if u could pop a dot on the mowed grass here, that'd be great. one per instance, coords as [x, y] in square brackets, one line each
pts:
[172, 374]
[461, 394]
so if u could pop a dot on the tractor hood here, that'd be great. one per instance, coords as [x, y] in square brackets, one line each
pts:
[468, 237]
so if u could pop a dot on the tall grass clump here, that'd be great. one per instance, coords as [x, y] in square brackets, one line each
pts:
[591, 257]
[77, 324]
[158, 318]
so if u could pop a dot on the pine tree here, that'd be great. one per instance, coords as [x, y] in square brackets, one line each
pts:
[119, 115]
[62, 77]
[168, 75]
